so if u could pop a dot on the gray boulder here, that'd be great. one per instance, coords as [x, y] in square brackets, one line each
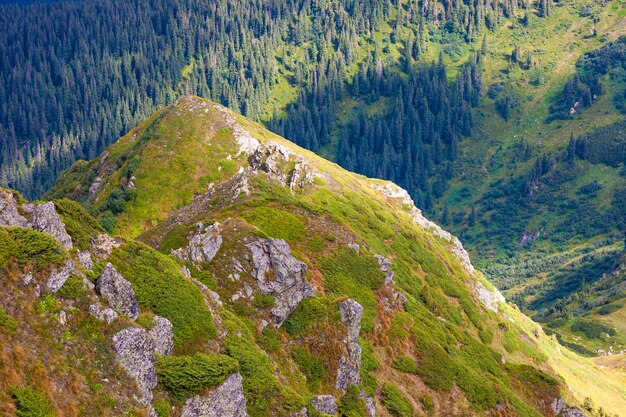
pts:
[45, 219]
[118, 292]
[203, 245]
[58, 277]
[135, 352]
[84, 259]
[227, 400]
[325, 403]
[489, 299]
[349, 366]
[107, 315]
[163, 336]
[557, 405]
[9, 215]
[280, 274]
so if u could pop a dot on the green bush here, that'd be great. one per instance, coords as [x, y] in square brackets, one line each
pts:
[185, 376]
[308, 311]
[28, 246]
[73, 288]
[160, 286]
[277, 223]
[369, 364]
[79, 224]
[31, 402]
[608, 309]
[395, 402]
[351, 405]
[269, 340]
[592, 329]
[428, 404]
[310, 366]
[7, 322]
[263, 300]
[406, 364]
[436, 367]
[162, 408]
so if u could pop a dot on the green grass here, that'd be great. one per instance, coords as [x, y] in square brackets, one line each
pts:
[277, 223]
[160, 286]
[395, 402]
[186, 376]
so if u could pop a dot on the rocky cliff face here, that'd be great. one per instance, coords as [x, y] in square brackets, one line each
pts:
[255, 279]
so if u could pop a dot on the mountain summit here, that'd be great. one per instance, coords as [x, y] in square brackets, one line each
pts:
[203, 266]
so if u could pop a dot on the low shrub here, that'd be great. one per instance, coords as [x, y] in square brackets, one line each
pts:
[7, 322]
[73, 288]
[263, 300]
[592, 329]
[185, 376]
[395, 402]
[308, 311]
[369, 364]
[160, 286]
[79, 224]
[608, 309]
[162, 408]
[31, 402]
[351, 405]
[277, 223]
[29, 246]
[312, 367]
[404, 363]
[428, 404]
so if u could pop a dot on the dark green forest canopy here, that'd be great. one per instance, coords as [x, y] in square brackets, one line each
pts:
[74, 76]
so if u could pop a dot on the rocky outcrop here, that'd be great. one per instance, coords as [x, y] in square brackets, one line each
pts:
[557, 405]
[290, 169]
[58, 277]
[370, 406]
[392, 299]
[325, 403]
[280, 274]
[395, 192]
[203, 245]
[489, 299]
[227, 400]
[103, 245]
[9, 214]
[118, 292]
[135, 352]
[44, 218]
[107, 315]
[84, 259]
[349, 366]
[30, 280]
[163, 336]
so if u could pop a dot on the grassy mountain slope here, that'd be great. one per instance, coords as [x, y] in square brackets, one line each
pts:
[441, 351]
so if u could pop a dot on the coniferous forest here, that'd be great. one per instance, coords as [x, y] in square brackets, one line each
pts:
[74, 76]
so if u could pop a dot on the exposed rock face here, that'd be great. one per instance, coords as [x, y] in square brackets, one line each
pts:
[369, 404]
[58, 277]
[103, 245]
[276, 159]
[325, 403]
[107, 315]
[391, 190]
[84, 259]
[95, 186]
[489, 299]
[135, 352]
[227, 400]
[9, 215]
[392, 298]
[163, 336]
[281, 275]
[557, 405]
[118, 292]
[348, 372]
[28, 280]
[203, 245]
[45, 219]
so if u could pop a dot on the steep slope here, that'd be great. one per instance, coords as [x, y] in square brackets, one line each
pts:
[287, 282]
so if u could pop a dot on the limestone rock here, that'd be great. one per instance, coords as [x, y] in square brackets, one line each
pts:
[9, 215]
[348, 372]
[325, 403]
[95, 186]
[489, 299]
[103, 245]
[369, 404]
[280, 274]
[57, 278]
[392, 298]
[107, 315]
[385, 267]
[203, 245]
[355, 247]
[395, 192]
[45, 219]
[135, 352]
[227, 400]
[84, 259]
[118, 292]
[163, 336]
[278, 160]
[557, 405]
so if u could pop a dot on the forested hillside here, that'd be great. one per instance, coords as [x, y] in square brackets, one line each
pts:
[76, 75]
